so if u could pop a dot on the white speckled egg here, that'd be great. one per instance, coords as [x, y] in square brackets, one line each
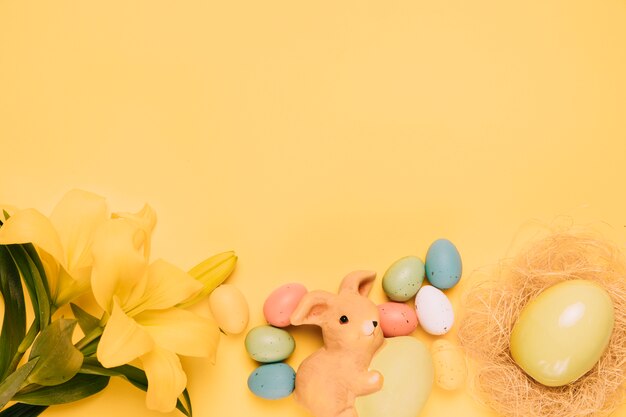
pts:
[434, 310]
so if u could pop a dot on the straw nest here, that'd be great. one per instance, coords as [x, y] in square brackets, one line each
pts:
[493, 306]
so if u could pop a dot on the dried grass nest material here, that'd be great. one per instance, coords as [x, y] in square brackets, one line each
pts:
[493, 306]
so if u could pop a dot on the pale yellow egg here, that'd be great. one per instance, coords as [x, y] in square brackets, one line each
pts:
[449, 363]
[229, 308]
[407, 369]
[563, 332]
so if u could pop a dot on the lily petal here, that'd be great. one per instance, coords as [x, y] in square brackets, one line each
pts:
[76, 217]
[145, 219]
[181, 331]
[123, 340]
[166, 286]
[118, 262]
[69, 287]
[30, 226]
[166, 379]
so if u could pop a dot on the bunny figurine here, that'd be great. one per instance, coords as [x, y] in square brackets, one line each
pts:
[328, 381]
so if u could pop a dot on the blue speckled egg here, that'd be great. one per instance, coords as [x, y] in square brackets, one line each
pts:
[443, 264]
[272, 381]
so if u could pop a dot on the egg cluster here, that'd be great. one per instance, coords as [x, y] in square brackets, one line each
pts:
[271, 344]
[432, 308]
[403, 281]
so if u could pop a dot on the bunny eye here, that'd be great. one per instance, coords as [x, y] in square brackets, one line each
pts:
[343, 319]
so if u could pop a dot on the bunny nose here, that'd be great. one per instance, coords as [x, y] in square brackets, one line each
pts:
[375, 323]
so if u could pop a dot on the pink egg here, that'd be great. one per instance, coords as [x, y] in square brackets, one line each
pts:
[397, 319]
[282, 302]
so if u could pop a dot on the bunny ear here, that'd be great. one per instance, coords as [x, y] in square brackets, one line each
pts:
[311, 308]
[358, 282]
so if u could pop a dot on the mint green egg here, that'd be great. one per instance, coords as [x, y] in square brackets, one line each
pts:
[269, 344]
[404, 278]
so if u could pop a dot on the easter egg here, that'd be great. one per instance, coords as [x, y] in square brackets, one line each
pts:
[443, 264]
[282, 302]
[269, 344]
[407, 369]
[229, 308]
[397, 319]
[449, 364]
[434, 310]
[272, 381]
[403, 278]
[562, 333]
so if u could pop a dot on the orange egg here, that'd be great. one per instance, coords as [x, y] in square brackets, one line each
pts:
[397, 319]
[282, 302]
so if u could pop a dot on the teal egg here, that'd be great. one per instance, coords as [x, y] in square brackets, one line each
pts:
[443, 264]
[403, 278]
[269, 344]
[272, 381]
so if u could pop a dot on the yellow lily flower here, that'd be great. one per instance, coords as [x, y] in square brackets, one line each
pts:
[63, 240]
[140, 298]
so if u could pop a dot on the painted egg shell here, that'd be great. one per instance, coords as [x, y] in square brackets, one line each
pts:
[272, 381]
[403, 278]
[282, 302]
[434, 310]
[561, 334]
[450, 366]
[443, 264]
[229, 308]
[269, 344]
[407, 369]
[397, 319]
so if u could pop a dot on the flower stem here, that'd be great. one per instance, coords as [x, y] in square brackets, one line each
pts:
[93, 335]
[23, 347]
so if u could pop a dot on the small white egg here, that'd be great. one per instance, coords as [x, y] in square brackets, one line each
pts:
[434, 310]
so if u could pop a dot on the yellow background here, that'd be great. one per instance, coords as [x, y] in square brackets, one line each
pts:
[314, 138]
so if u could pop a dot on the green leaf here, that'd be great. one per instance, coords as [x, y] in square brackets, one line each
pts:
[23, 410]
[187, 403]
[77, 388]
[14, 322]
[86, 321]
[35, 282]
[14, 382]
[181, 407]
[134, 375]
[59, 358]
[34, 257]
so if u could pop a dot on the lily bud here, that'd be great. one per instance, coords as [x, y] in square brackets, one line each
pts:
[211, 273]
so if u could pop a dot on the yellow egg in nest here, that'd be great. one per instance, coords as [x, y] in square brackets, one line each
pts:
[562, 333]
